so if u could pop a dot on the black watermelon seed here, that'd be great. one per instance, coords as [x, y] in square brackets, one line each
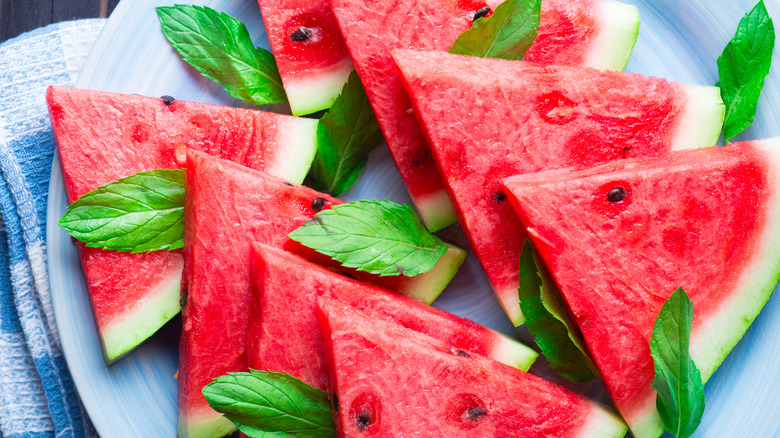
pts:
[183, 298]
[363, 420]
[459, 352]
[499, 197]
[318, 204]
[301, 35]
[289, 184]
[475, 414]
[336, 402]
[616, 195]
[167, 100]
[479, 13]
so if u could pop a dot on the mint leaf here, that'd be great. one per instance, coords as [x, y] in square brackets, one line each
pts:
[267, 404]
[546, 319]
[379, 237]
[742, 68]
[677, 380]
[139, 213]
[345, 136]
[507, 34]
[219, 46]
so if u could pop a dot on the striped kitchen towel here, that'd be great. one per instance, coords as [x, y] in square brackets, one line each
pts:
[37, 394]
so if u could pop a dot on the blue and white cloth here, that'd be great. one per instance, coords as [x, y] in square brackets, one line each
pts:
[37, 394]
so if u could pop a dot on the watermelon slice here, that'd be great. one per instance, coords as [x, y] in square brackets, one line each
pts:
[309, 51]
[589, 32]
[102, 137]
[487, 119]
[227, 207]
[705, 219]
[382, 372]
[287, 285]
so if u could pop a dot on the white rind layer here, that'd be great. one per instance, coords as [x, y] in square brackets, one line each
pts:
[316, 91]
[148, 315]
[206, 424]
[702, 120]
[714, 339]
[513, 353]
[619, 27]
[297, 140]
[427, 286]
[436, 210]
[603, 423]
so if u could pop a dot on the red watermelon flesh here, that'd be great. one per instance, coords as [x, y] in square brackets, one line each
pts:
[102, 137]
[307, 46]
[284, 334]
[228, 206]
[382, 372]
[705, 220]
[487, 119]
[570, 33]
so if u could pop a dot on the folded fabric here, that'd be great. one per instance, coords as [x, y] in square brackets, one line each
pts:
[37, 395]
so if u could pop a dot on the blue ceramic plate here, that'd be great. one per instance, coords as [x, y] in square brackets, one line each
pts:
[679, 40]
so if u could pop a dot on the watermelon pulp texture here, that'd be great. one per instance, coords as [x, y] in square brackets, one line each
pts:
[309, 51]
[228, 206]
[569, 34]
[102, 137]
[286, 334]
[382, 371]
[705, 220]
[487, 119]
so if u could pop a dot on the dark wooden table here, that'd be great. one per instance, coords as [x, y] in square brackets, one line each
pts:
[18, 16]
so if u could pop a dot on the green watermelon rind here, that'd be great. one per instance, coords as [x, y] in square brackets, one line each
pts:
[427, 286]
[604, 423]
[702, 120]
[436, 210]
[316, 91]
[208, 424]
[615, 42]
[141, 322]
[513, 353]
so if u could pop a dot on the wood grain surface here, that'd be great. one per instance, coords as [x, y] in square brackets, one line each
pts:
[19, 16]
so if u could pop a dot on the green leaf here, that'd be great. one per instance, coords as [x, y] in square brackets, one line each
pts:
[267, 404]
[139, 213]
[742, 68]
[507, 34]
[380, 237]
[345, 136]
[546, 319]
[219, 46]
[677, 380]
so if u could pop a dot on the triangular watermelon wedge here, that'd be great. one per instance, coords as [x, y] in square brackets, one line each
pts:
[284, 333]
[620, 238]
[227, 207]
[309, 51]
[390, 381]
[487, 119]
[102, 137]
[599, 34]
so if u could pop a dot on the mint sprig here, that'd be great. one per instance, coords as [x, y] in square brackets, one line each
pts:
[743, 66]
[139, 213]
[546, 319]
[219, 46]
[677, 381]
[265, 404]
[345, 136]
[379, 237]
[507, 34]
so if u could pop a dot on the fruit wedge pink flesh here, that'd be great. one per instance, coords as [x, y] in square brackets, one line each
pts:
[570, 31]
[284, 333]
[102, 137]
[309, 51]
[487, 119]
[382, 372]
[227, 207]
[705, 220]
